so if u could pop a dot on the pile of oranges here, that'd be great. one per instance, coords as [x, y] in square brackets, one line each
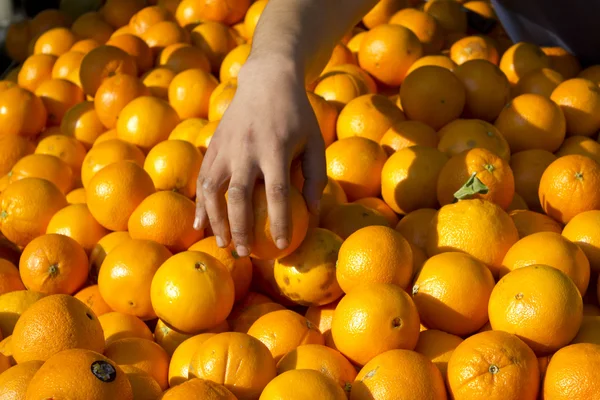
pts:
[456, 253]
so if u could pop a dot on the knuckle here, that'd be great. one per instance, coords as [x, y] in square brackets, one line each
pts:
[209, 186]
[237, 193]
[278, 192]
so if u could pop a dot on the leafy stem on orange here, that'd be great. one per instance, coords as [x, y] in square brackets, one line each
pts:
[472, 187]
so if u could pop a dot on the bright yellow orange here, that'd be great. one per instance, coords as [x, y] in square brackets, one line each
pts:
[81, 122]
[579, 100]
[522, 58]
[117, 326]
[180, 361]
[189, 93]
[24, 113]
[339, 88]
[35, 70]
[474, 48]
[106, 153]
[575, 364]
[67, 67]
[13, 305]
[84, 46]
[204, 136]
[69, 149]
[76, 222]
[220, 99]
[314, 384]
[438, 347]
[46, 167]
[163, 34]
[56, 42]
[90, 296]
[233, 61]
[252, 17]
[368, 116]
[158, 80]
[146, 17]
[188, 129]
[437, 60]
[326, 114]
[14, 383]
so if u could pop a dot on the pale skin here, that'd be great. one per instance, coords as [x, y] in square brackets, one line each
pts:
[270, 120]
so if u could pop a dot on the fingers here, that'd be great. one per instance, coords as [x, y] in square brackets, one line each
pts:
[201, 218]
[213, 192]
[239, 208]
[277, 186]
[314, 170]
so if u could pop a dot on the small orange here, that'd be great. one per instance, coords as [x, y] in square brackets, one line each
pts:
[13, 384]
[163, 34]
[583, 231]
[58, 95]
[220, 99]
[119, 12]
[406, 134]
[474, 48]
[85, 46]
[12, 149]
[26, 207]
[437, 60]
[233, 61]
[339, 88]
[69, 149]
[90, 296]
[10, 280]
[388, 51]
[146, 121]
[582, 145]
[53, 324]
[448, 14]
[381, 207]
[398, 373]
[118, 326]
[24, 113]
[81, 122]
[192, 103]
[146, 17]
[522, 58]
[377, 307]
[579, 100]
[314, 383]
[410, 176]
[181, 56]
[414, 226]
[546, 315]
[563, 62]
[143, 354]
[541, 81]
[181, 358]
[35, 70]
[438, 347]
[487, 89]
[188, 129]
[204, 135]
[423, 25]
[253, 15]
[104, 62]
[326, 114]
[46, 167]
[463, 134]
[346, 218]
[245, 317]
[135, 47]
[77, 222]
[91, 25]
[55, 41]
[215, 40]
[495, 365]
[67, 67]
[368, 116]
[530, 222]
[18, 37]
[106, 153]
[572, 371]
[142, 383]
[432, 88]
[528, 167]
[95, 374]
[158, 81]
[568, 187]
[114, 94]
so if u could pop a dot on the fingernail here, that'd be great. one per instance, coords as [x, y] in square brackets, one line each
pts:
[197, 224]
[242, 251]
[220, 241]
[282, 243]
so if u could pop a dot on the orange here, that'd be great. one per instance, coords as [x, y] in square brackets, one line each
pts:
[477, 227]
[188, 129]
[493, 364]
[233, 61]
[388, 51]
[546, 315]
[484, 168]
[84, 46]
[474, 48]
[448, 14]
[256, 366]
[522, 58]
[253, 15]
[53, 324]
[582, 230]
[591, 73]
[414, 226]
[382, 12]
[326, 115]
[198, 389]
[35, 70]
[146, 121]
[215, 40]
[135, 47]
[245, 317]
[69, 149]
[26, 207]
[220, 99]
[358, 177]
[142, 383]
[106, 153]
[13, 384]
[530, 222]
[363, 260]
[368, 116]
[563, 62]
[18, 36]
[572, 371]
[76, 222]
[10, 280]
[90, 296]
[437, 60]
[204, 136]
[582, 145]
[182, 357]
[81, 122]
[517, 204]
[104, 62]
[438, 347]
[410, 176]
[5, 84]
[252, 298]
[55, 41]
[398, 372]
[264, 279]
[43, 166]
[528, 167]
[321, 317]
[432, 88]
[190, 103]
[53, 264]
[143, 354]
[117, 326]
[146, 17]
[462, 134]
[228, 12]
[540, 81]
[114, 94]
[13, 305]
[380, 206]
[332, 195]
[314, 384]
[110, 134]
[125, 279]
[406, 134]
[95, 374]
[588, 332]
[158, 80]
[339, 88]
[167, 218]
[346, 218]
[13, 74]
[306, 276]
[358, 73]
[569, 186]
[423, 25]
[91, 25]
[24, 113]
[119, 12]
[487, 89]
[162, 34]
[12, 149]
[579, 100]
[451, 293]
[341, 55]
[67, 67]
[203, 284]
[181, 56]
[115, 192]
[553, 250]
[377, 307]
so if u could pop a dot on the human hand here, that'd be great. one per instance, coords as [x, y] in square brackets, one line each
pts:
[268, 123]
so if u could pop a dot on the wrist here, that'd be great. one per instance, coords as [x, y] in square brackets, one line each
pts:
[273, 67]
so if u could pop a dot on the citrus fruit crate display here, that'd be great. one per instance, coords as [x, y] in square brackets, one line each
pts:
[455, 253]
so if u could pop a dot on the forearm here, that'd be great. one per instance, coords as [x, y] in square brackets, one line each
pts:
[304, 32]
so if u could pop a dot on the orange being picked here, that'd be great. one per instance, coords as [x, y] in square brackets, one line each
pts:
[182, 56]
[81, 122]
[13, 384]
[339, 88]
[67, 66]
[432, 88]
[67, 148]
[482, 166]
[182, 356]
[546, 315]
[104, 62]
[12, 149]
[307, 276]
[380, 206]
[398, 372]
[53, 324]
[95, 374]
[582, 145]
[569, 186]
[358, 177]
[368, 116]
[10, 280]
[477, 227]
[474, 48]
[363, 260]
[572, 371]
[530, 222]
[118, 325]
[528, 167]
[53, 264]
[114, 94]
[451, 293]
[387, 52]
[522, 58]
[438, 347]
[462, 134]
[25, 113]
[106, 153]
[135, 47]
[326, 115]
[314, 384]
[146, 17]
[35, 70]
[76, 222]
[579, 100]
[583, 231]
[46, 167]
[540, 81]
[92, 25]
[198, 389]
[551, 249]
[146, 121]
[346, 218]
[423, 25]
[408, 133]
[190, 103]
[157, 81]
[90, 296]
[125, 279]
[493, 364]
[215, 40]
[377, 307]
